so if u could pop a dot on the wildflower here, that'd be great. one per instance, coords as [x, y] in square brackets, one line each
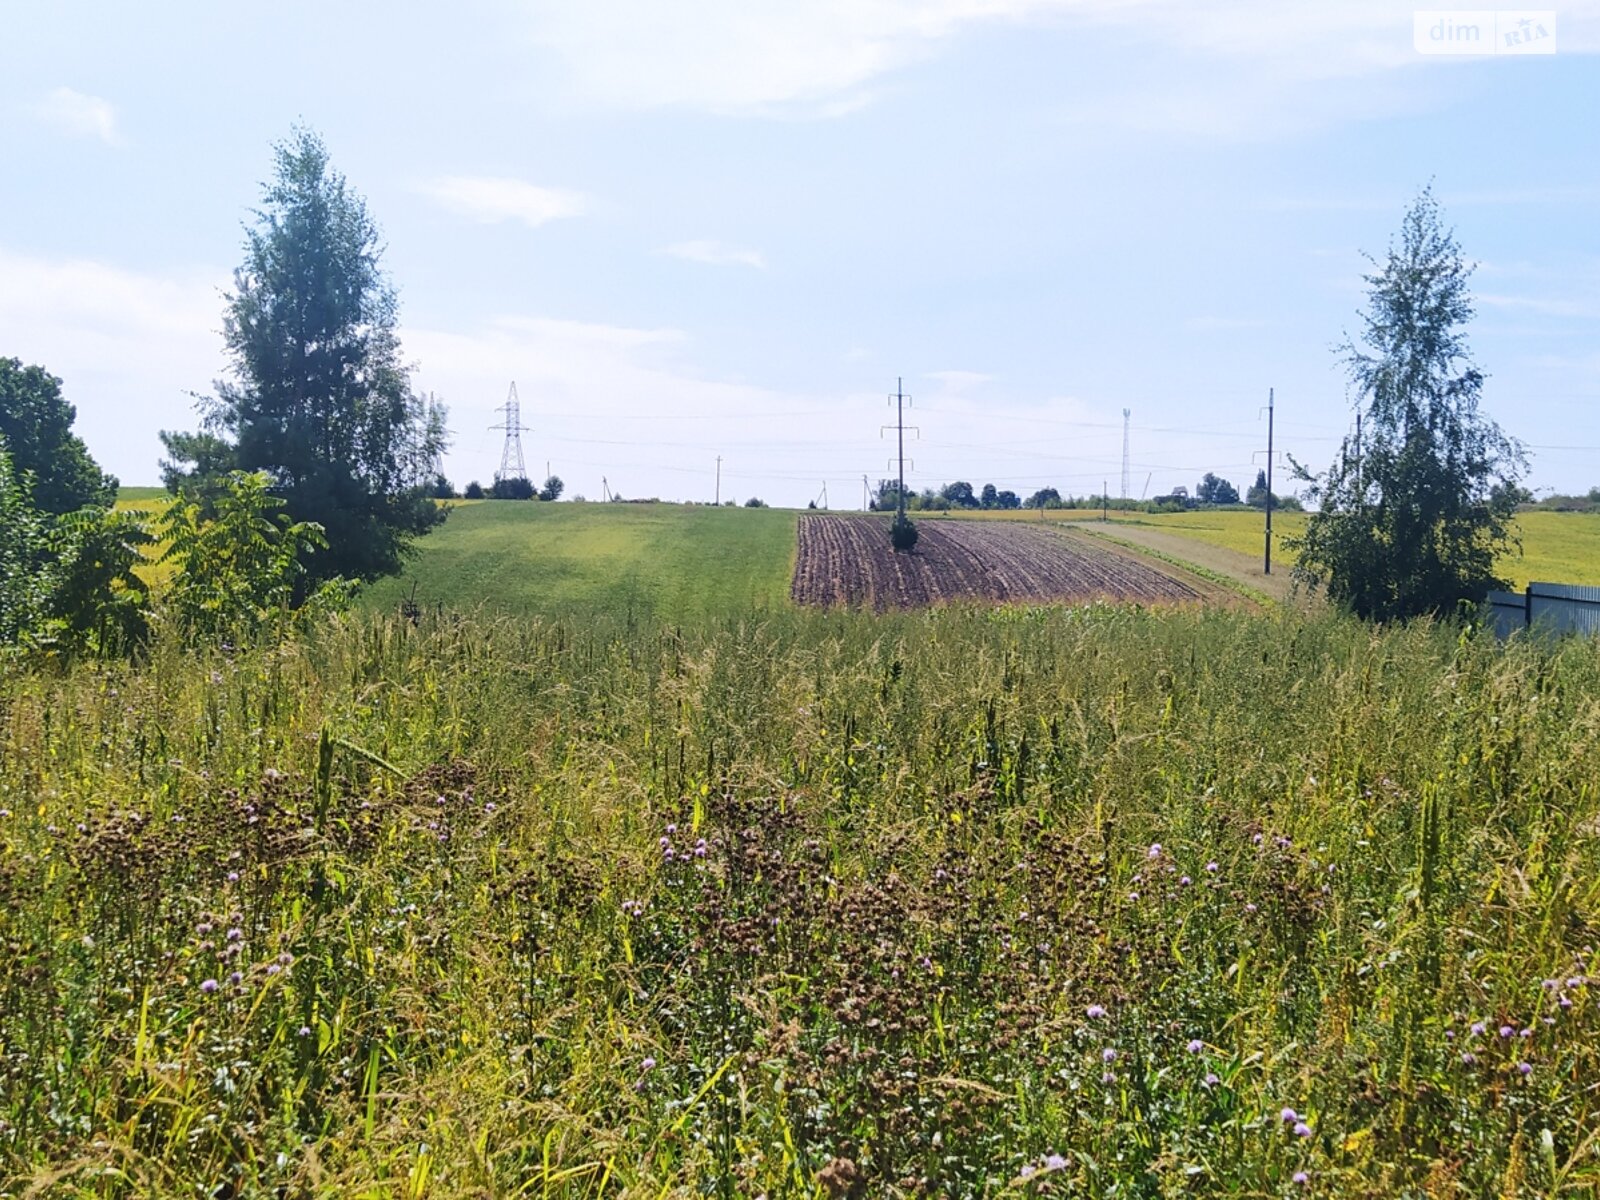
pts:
[1524, 1069]
[1108, 1055]
[208, 986]
[1256, 841]
[1468, 1058]
[1211, 867]
[236, 978]
[1196, 1046]
[1133, 895]
[1055, 1162]
[305, 1031]
[1301, 1177]
[1301, 1129]
[1449, 1035]
[1250, 908]
[1028, 1170]
[1527, 1033]
[700, 848]
[649, 1064]
[1565, 1001]
[1477, 1029]
[233, 877]
[489, 808]
[1506, 1031]
[235, 934]
[1550, 985]
[273, 968]
[1575, 982]
[1109, 1077]
[1212, 1079]
[1289, 1116]
[1154, 851]
[1095, 1012]
[1185, 881]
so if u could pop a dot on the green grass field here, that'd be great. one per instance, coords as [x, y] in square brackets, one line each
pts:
[673, 562]
[1092, 902]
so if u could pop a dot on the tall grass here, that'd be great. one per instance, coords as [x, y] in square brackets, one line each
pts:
[1060, 902]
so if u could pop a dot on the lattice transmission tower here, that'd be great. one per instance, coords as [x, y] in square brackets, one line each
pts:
[511, 464]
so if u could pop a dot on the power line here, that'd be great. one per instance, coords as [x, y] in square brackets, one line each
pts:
[511, 464]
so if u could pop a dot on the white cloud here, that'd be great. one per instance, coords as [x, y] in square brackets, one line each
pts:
[488, 199]
[128, 346]
[824, 58]
[1544, 306]
[956, 382]
[718, 254]
[77, 115]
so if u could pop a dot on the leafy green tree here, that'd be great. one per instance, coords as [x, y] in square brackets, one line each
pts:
[1213, 490]
[473, 491]
[512, 488]
[755, 502]
[36, 422]
[1044, 497]
[989, 497]
[238, 575]
[959, 494]
[552, 488]
[318, 395]
[22, 534]
[1411, 521]
[1006, 498]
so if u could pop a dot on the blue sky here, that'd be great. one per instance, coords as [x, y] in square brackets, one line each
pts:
[726, 226]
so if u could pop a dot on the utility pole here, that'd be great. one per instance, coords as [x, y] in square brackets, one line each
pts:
[1360, 492]
[1266, 568]
[865, 502]
[1126, 413]
[899, 401]
[719, 481]
[1105, 501]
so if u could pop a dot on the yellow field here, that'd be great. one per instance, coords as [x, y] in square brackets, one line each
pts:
[1556, 547]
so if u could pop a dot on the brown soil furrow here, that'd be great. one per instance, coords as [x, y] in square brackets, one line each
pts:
[849, 561]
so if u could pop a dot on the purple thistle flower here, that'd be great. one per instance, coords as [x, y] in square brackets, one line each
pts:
[1185, 881]
[1095, 1011]
[305, 1031]
[233, 877]
[1301, 1177]
[1212, 1079]
[1109, 1077]
[672, 827]
[236, 978]
[1565, 1001]
[1154, 851]
[1196, 1046]
[1301, 1129]
[1477, 1029]
[649, 1064]
[1289, 1116]
[1506, 1031]
[1524, 1069]
[1468, 1057]
[1055, 1162]
[1108, 1055]
[208, 986]
[1211, 867]
[1250, 908]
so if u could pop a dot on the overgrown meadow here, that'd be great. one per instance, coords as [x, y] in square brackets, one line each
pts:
[1092, 902]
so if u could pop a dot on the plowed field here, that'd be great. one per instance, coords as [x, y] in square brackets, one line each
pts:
[848, 561]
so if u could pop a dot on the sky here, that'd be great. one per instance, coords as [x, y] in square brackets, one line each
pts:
[698, 228]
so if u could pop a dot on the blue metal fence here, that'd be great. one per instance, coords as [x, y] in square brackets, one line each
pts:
[1548, 607]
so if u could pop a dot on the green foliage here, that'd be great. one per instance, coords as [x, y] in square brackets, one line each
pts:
[1044, 497]
[474, 491]
[1412, 521]
[97, 604]
[389, 911]
[755, 502]
[552, 488]
[197, 464]
[903, 533]
[319, 396]
[36, 425]
[23, 594]
[1213, 490]
[238, 574]
[513, 487]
